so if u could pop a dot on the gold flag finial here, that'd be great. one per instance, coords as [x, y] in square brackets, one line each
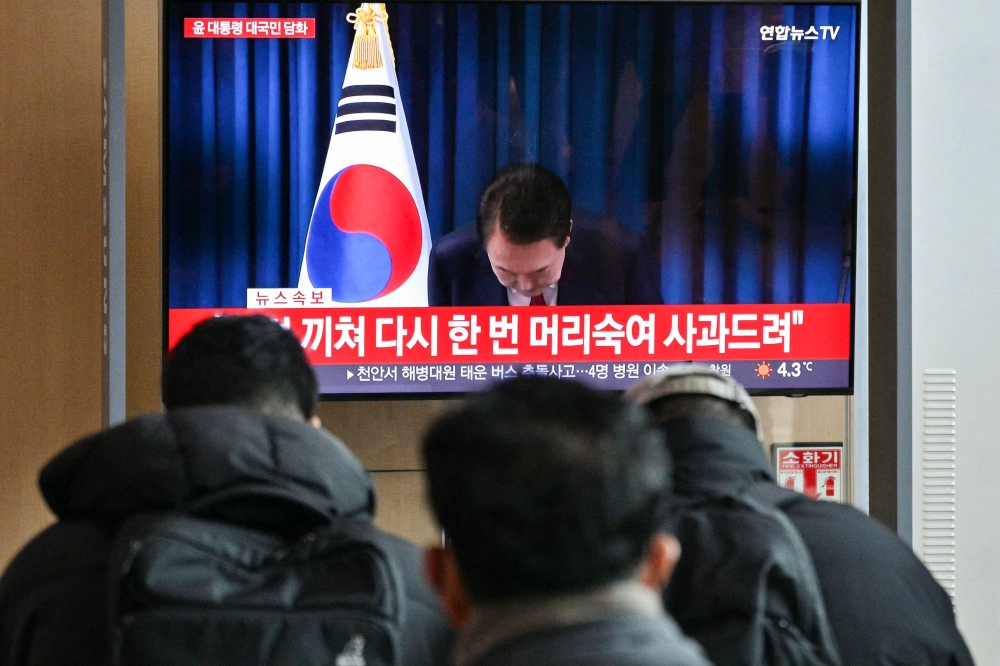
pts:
[366, 52]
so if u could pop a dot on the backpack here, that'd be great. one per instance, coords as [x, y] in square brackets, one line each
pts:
[745, 587]
[189, 591]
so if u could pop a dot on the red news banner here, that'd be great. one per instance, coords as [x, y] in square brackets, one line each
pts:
[244, 28]
[566, 333]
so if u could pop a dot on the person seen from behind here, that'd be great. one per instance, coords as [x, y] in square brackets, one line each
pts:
[769, 576]
[551, 496]
[230, 529]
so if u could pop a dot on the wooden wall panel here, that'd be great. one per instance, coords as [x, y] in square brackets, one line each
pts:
[403, 508]
[384, 435]
[50, 246]
[811, 419]
[143, 273]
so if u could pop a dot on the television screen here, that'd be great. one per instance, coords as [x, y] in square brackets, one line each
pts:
[433, 196]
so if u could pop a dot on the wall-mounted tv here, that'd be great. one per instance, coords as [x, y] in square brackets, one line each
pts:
[434, 196]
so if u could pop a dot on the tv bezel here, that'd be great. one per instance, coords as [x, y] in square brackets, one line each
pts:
[366, 397]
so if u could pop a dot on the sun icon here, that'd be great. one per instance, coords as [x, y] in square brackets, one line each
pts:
[763, 370]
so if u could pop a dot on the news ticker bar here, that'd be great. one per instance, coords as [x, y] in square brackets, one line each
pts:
[804, 375]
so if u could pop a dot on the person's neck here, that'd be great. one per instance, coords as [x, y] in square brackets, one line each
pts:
[497, 623]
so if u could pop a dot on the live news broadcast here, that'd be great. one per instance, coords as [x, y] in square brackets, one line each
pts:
[437, 196]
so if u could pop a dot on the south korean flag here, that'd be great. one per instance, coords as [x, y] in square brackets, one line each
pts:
[368, 239]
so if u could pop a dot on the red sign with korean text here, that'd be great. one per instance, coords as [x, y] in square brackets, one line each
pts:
[250, 28]
[564, 333]
[815, 471]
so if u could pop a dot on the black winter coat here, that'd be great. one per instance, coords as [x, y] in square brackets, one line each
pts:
[884, 607]
[257, 471]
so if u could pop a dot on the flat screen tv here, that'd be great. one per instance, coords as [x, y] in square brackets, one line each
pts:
[434, 196]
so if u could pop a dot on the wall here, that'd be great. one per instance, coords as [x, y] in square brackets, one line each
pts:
[955, 139]
[386, 436]
[50, 246]
[143, 281]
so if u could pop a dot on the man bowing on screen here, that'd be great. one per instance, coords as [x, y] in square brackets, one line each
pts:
[519, 252]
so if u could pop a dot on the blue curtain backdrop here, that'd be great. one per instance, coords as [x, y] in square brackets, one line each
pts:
[734, 155]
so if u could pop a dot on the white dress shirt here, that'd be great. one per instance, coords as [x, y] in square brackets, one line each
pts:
[550, 294]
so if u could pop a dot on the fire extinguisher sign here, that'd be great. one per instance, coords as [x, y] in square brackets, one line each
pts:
[816, 471]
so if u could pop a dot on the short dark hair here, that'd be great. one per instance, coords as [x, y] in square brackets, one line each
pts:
[544, 486]
[251, 361]
[528, 202]
[673, 407]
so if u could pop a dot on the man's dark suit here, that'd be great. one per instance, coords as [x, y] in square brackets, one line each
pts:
[606, 264]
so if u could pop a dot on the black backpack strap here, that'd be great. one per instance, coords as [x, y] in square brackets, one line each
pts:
[767, 498]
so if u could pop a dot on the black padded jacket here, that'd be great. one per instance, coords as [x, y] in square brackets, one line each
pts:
[267, 473]
[883, 605]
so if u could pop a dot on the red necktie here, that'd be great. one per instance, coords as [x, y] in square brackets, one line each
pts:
[537, 300]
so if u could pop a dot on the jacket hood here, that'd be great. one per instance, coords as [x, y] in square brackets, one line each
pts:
[222, 462]
[711, 454]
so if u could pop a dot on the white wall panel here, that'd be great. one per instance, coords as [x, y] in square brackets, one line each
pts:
[955, 59]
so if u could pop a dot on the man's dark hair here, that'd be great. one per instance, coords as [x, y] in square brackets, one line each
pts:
[528, 202]
[545, 487]
[250, 361]
[674, 407]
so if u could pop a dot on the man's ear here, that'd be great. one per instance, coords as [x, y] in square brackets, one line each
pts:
[316, 422]
[661, 558]
[442, 571]
[568, 234]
